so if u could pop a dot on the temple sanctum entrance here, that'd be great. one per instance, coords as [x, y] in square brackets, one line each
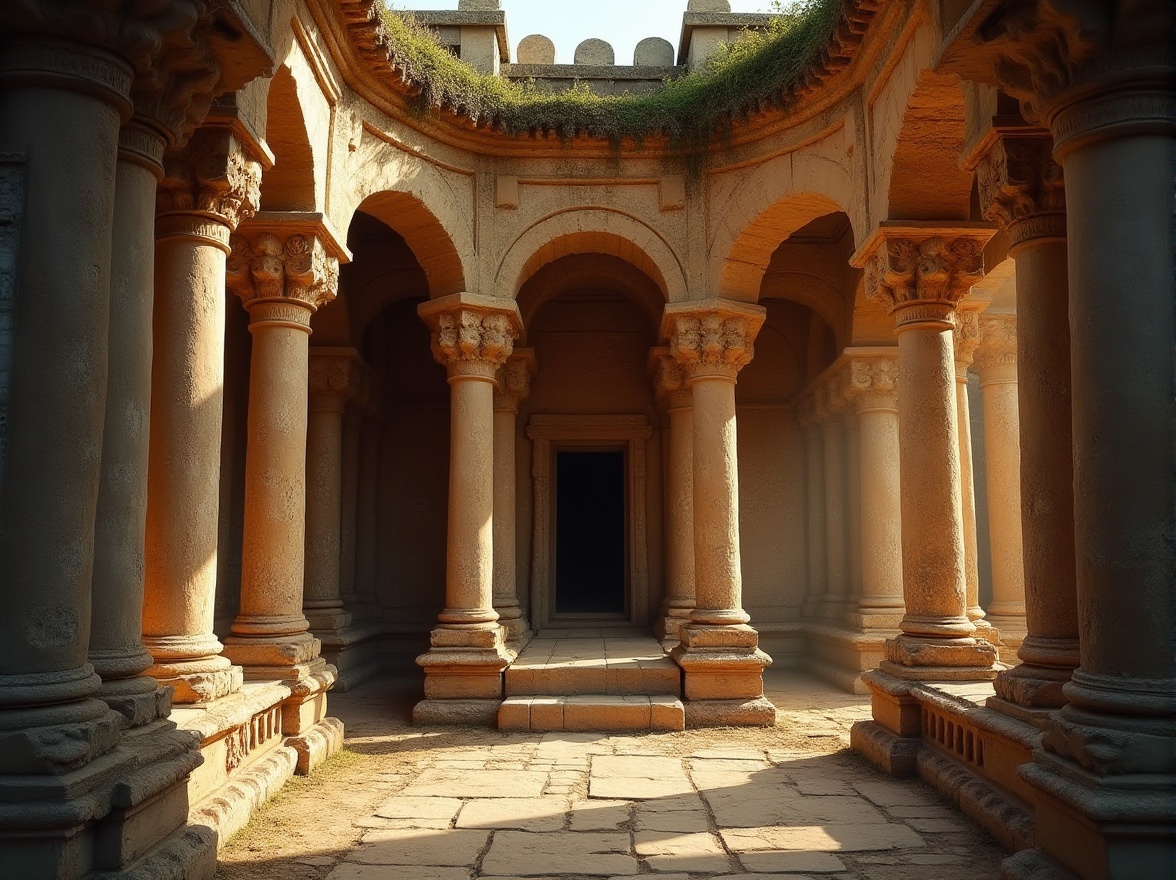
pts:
[590, 545]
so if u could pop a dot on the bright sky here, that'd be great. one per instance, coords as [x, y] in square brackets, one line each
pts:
[623, 23]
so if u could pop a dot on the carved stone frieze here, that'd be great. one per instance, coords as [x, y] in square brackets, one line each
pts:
[213, 177]
[998, 342]
[1022, 188]
[920, 273]
[296, 272]
[872, 383]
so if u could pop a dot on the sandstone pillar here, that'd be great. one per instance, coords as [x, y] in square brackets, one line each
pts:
[1105, 776]
[283, 270]
[514, 385]
[349, 525]
[116, 627]
[365, 533]
[921, 271]
[205, 192]
[334, 375]
[829, 404]
[853, 479]
[814, 495]
[676, 399]
[873, 391]
[996, 363]
[966, 339]
[473, 336]
[1022, 187]
[718, 652]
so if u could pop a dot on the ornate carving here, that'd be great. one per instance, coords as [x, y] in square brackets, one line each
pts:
[872, 383]
[923, 277]
[297, 270]
[711, 343]
[1022, 188]
[669, 382]
[469, 335]
[998, 342]
[213, 177]
[335, 374]
[513, 382]
[966, 336]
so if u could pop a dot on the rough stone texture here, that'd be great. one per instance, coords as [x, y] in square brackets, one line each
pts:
[594, 51]
[536, 49]
[653, 52]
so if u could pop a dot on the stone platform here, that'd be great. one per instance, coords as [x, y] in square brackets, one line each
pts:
[572, 681]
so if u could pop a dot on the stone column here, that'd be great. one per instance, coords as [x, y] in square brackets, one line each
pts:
[514, 385]
[830, 403]
[675, 398]
[334, 375]
[853, 478]
[996, 363]
[473, 336]
[921, 272]
[349, 526]
[718, 652]
[207, 190]
[365, 533]
[814, 494]
[1021, 186]
[872, 389]
[61, 106]
[283, 269]
[967, 338]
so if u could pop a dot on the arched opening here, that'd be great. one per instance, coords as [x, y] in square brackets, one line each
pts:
[289, 185]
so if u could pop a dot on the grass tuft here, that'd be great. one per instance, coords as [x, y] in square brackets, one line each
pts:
[693, 111]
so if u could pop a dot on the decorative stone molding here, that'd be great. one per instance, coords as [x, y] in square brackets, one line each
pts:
[669, 380]
[966, 337]
[213, 179]
[513, 384]
[473, 335]
[872, 383]
[921, 271]
[998, 342]
[336, 373]
[295, 272]
[1022, 188]
[712, 338]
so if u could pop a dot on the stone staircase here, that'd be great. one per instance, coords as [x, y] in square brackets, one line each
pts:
[623, 683]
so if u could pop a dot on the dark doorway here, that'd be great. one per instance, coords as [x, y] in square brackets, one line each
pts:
[590, 533]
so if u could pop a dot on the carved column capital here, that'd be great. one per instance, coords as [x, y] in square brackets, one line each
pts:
[1022, 188]
[208, 189]
[712, 338]
[513, 384]
[998, 344]
[966, 335]
[921, 272]
[335, 377]
[829, 400]
[872, 383]
[669, 380]
[282, 279]
[473, 335]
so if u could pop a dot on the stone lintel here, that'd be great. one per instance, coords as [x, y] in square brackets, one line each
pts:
[311, 224]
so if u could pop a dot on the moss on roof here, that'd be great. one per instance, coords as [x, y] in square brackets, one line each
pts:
[760, 71]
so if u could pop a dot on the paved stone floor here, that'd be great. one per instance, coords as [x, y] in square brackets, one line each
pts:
[406, 803]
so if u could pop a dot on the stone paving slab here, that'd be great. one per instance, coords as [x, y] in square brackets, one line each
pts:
[521, 814]
[477, 783]
[592, 853]
[349, 871]
[822, 838]
[633, 777]
[416, 846]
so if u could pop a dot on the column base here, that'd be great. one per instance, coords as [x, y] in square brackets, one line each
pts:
[140, 700]
[479, 713]
[328, 620]
[940, 659]
[670, 623]
[833, 609]
[866, 619]
[760, 712]
[465, 664]
[200, 680]
[516, 630]
[721, 662]
[307, 705]
[273, 657]
[1029, 691]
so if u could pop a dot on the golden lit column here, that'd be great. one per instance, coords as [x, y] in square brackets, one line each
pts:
[473, 336]
[675, 398]
[967, 338]
[996, 364]
[920, 272]
[283, 272]
[872, 389]
[514, 386]
[719, 653]
[206, 191]
[349, 525]
[1022, 187]
[334, 375]
[830, 405]
[814, 494]
[367, 502]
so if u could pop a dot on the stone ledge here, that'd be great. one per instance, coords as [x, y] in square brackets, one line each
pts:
[465, 713]
[187, 854]
[998, 813]
[760, 712]
[895, 755]
[317, 744]
[228, 809]
[213, 720]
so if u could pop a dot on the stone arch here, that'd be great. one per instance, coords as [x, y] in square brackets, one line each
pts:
[290, 184]
[765, 208]
[592, 231]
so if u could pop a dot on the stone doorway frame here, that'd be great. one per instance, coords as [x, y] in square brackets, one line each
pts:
[551, 433]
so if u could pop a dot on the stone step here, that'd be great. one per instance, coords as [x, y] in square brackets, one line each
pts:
[566, 667]
[597, 712]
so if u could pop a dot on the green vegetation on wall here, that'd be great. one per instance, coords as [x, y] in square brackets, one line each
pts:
[756, 72]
